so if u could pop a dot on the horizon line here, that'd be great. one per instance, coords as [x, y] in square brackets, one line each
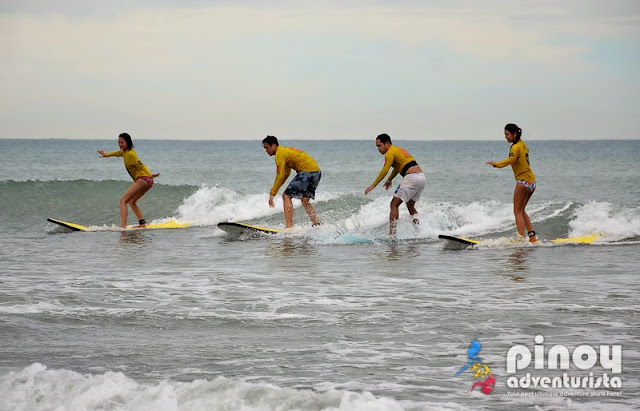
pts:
[317, 139]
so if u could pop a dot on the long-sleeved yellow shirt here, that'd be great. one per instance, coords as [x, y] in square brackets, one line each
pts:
[396, 157]
[132, 163]
[288, 158]
[519, 160]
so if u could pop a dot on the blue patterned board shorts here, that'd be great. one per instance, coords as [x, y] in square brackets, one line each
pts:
[530, 185]
[304, 184]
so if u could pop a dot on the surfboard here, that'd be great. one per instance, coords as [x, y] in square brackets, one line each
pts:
[458, 240]
[585, 239]
[239, 229]
[461, 242]
[80, 227]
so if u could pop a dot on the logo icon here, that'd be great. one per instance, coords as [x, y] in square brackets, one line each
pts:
[479, 369]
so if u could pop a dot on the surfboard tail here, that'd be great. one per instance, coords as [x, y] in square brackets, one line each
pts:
[239, 229]
[65, 224]
[168, 224]
[585, 239]
[456, 243]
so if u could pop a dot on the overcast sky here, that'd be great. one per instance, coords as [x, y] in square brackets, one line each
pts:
[430, 70]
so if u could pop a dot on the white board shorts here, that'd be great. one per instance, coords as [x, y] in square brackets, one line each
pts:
[411, 187]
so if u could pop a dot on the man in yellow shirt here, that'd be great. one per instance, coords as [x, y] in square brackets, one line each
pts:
[303, 185]
[410, 187]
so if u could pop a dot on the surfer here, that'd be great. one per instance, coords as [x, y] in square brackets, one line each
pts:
[525, 179]
[142, 179]
[304, 184]
[410, 187]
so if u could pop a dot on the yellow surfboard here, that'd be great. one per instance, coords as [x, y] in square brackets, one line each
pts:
[461, 242]
[585, 239]
[79, 227]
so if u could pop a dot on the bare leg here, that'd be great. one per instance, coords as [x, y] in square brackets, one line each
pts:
[521, 196]
[412, 210]
[136, 209]
[394, 213]
[288, 210]
[311, 211]
[136, 188]
[527, 221]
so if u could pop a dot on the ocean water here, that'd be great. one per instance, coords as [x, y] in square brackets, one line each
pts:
[335, 317]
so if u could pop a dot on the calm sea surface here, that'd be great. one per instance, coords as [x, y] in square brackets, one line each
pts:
[330, 318]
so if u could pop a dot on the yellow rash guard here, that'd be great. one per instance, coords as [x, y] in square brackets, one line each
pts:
[132, 163]
[288, 158]
[396, 157]
[519, 160]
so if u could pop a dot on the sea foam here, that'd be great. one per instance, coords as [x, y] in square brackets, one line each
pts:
[38, 388]
[613, 222]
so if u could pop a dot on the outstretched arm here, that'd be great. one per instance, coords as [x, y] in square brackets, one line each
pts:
[283, 173]
[389, 181]
[118, 153]
[513, 155]
[388, 160]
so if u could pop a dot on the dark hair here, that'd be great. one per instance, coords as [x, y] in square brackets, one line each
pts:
[127, 139]
[513, 129]
[384, 138]
[271, 140]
